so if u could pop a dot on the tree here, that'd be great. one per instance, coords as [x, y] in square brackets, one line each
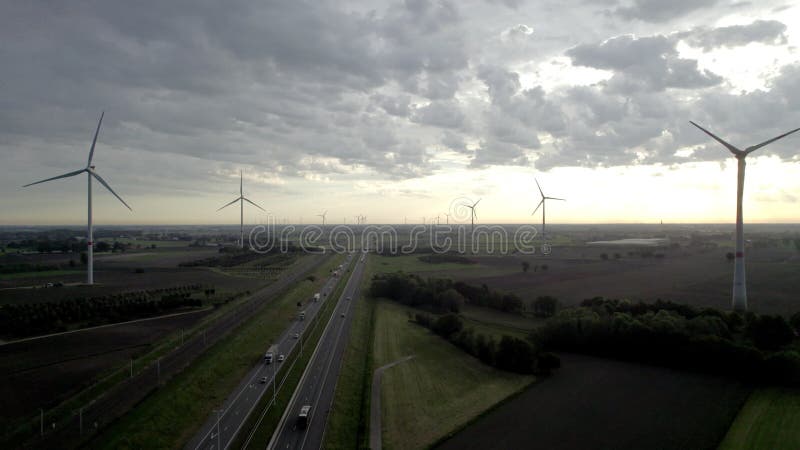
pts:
[770, 332]
[447, 325]
[795, 322]
[525, 266]
[545, 306]
[617, 256]
[515, 355]
[729, 256]
[544, 267]
[604, 256]
[84, 258]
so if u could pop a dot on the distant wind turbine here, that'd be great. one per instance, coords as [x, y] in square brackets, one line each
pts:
[473, 214]
[447, 215]
[739, 286]
[542, 203]
[241, 199]
[323, 217]
[90, 172]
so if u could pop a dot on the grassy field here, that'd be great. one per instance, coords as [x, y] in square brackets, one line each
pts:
[770, 419]
[349, 418]
[438, 391]
[169, 416]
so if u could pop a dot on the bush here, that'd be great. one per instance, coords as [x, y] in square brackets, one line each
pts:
[546, 362]
[770, 332]
[545, 306]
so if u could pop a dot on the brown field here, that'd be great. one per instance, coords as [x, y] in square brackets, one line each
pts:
[599, 403]
[694, 277]
[39, 373]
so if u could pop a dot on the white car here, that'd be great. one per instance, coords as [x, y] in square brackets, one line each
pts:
[263, 380]
[296, 336]
[280, 358]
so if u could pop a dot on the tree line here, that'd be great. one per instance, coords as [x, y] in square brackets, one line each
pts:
[441, 295]
[509, 353]
[28, 319]
[747, 346]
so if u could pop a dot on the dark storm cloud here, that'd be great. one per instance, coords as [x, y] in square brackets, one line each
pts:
[764, 31]
[643, 64]
[660, 10]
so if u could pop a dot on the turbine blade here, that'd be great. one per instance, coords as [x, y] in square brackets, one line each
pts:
[730, 147]
[556, 198]
[229, 204]
[476, 203]
[248, 201]
[103, 182]
[537, 206]
[66, 175]
[94, 141]
[753, 148]
[537, 185]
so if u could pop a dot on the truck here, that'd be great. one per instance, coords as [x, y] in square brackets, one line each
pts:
[302, 315]
[302, 418]
[270, 355]
[316, 297]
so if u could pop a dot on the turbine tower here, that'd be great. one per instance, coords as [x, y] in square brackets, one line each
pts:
[90, 172]
[542, 203]
[447, 215]
[323, 217]
[241, 199]
[739, 285]
[473, 215]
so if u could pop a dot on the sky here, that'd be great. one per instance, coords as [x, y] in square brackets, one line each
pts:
[399, 110]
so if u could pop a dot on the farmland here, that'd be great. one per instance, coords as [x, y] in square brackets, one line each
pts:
[600, 403]
[769, 419]
[439, 390]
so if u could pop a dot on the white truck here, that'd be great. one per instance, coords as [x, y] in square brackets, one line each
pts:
[270, 355]
[316, 297]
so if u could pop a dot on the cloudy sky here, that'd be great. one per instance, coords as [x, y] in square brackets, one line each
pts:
[398, 109]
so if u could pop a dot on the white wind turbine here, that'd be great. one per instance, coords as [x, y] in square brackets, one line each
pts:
[323, 217]
[241, 199]
[473, 215]
[739, 286]
[542, 203]
[90, 172]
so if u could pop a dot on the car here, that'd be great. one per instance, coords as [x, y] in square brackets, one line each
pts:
[263, 380]
[342, 314]
[349, 298]
[296, 336]
[281, 358]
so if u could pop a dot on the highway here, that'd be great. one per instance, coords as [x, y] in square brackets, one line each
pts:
[317, 386]
[227, 420]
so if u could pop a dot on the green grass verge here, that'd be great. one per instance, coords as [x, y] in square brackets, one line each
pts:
[438, 391]
[348, 423]
[167, 417]
[769, 420]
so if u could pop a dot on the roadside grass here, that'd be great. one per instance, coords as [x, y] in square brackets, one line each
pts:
[769, 419]
[295, 365]
[438, 391]
[167, 417]
[348, 423]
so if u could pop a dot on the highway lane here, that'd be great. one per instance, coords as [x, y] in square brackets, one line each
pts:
[226, 422]
[318, 384]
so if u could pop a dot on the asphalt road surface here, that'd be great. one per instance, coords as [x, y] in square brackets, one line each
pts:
[226, 421]
[318, 384]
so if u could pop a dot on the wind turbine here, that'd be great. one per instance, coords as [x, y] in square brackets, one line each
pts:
[447, 215]
[90, 172]
[323, 217]
[739, 286]
[542, 203]
[473, 215]
[241, 199]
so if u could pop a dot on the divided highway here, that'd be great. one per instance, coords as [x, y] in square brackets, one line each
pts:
[317, 386]
[223, 425]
